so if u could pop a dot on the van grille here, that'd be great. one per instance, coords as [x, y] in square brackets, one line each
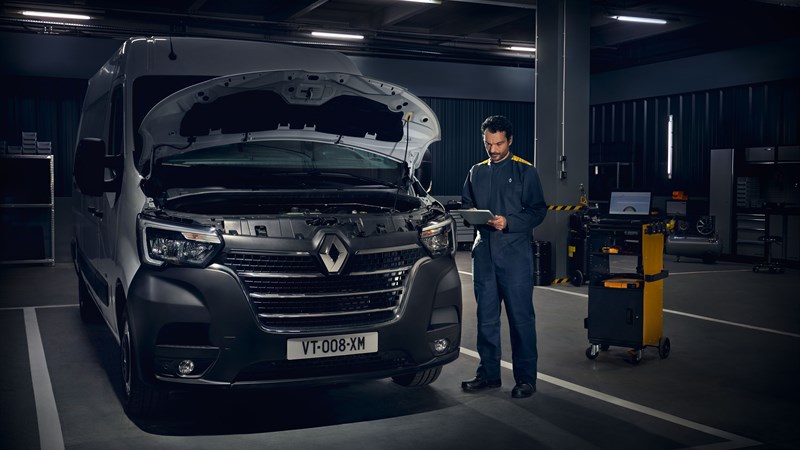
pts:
[291, 292]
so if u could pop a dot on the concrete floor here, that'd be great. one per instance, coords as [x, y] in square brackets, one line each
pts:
[729, 382]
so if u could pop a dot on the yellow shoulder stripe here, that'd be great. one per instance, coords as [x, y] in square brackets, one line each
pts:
[483, 162]
[520, 160]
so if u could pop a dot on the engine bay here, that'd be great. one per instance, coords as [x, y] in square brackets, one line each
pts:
[298, 214]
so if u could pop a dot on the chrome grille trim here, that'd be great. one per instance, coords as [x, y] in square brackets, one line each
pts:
[316, 275]
[399, 248]
[382, 271]
[279, 275]
[323, 295]
[340, 313]
[370, 289]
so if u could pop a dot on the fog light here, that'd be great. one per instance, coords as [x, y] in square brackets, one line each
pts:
[440, 346]
[186, 367]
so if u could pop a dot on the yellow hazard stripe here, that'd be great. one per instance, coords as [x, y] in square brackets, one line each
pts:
[561, 280]
[565, 207]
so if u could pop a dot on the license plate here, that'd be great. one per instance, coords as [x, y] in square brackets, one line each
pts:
[327, 346]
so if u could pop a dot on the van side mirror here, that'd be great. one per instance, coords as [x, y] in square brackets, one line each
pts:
[425, 171]
[90, 167]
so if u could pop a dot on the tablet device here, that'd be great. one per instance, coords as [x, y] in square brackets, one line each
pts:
[476, 216]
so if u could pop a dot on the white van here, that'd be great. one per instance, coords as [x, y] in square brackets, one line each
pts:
[249, 215]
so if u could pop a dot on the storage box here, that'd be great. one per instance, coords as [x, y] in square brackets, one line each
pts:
[789, 153]
[44, 148]
[760, 154]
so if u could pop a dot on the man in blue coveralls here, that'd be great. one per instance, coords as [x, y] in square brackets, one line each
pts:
[502, 259]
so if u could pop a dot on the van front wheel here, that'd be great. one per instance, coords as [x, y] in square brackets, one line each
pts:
[139, 398]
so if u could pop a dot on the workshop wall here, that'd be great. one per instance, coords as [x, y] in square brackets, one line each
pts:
[634, 132]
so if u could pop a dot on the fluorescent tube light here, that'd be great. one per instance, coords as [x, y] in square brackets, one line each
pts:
[336, 35]
[434, 2]
[639, 19]
[521, 49]
[54, 15]
[669, 147]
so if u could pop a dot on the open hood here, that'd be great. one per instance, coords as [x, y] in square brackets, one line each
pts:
[328, 107]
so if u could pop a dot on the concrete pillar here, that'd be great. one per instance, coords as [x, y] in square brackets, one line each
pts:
[562, 114]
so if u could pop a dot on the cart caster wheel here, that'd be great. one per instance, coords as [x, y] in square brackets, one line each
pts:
[604, 347]
[577, 278]
[755, 269]
[592, 352]
[663, 347]
[635, 356]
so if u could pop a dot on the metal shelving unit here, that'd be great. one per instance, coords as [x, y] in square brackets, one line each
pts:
[27, 209]
[749, 227]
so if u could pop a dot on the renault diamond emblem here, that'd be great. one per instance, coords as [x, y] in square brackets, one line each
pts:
[333, 253]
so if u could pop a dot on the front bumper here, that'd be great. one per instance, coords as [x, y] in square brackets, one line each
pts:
[205, 315]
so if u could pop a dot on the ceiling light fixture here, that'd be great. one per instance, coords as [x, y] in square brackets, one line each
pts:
[433, 2]
[515, 48]
[325, 34]
[54, 15]
[638, 19]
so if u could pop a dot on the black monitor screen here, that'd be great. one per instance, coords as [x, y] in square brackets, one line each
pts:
[676, 208]
[631, 203]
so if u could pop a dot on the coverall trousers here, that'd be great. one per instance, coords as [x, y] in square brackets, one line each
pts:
[502, 268]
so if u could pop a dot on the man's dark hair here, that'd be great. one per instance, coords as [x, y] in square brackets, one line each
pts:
[496, 124]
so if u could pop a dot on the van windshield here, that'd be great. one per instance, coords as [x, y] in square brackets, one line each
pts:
[278, 164]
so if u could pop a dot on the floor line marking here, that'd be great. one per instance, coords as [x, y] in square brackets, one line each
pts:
[752, 327]
[15, 308]
[50, 436]
[736, 441]
[679, 313]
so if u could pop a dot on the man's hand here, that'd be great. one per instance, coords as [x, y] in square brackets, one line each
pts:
[498, 223]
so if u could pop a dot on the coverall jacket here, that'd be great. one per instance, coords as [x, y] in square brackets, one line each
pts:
[502, 261]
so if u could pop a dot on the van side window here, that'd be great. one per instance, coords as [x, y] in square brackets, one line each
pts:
[115, 124]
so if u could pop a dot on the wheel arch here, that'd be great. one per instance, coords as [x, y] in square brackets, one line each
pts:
[120, 303]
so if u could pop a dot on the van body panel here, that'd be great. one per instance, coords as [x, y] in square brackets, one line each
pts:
[216, 252]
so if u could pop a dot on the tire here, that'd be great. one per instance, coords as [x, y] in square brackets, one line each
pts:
[422, 378]
[577, 278]
[635, 356]
[590, 353]
[664, 348]
[139, 399]
[88, 309]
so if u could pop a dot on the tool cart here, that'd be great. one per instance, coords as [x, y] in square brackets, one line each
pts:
[626, 307]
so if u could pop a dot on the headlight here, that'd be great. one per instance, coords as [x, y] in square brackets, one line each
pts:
[175, 244]
[437, 237]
